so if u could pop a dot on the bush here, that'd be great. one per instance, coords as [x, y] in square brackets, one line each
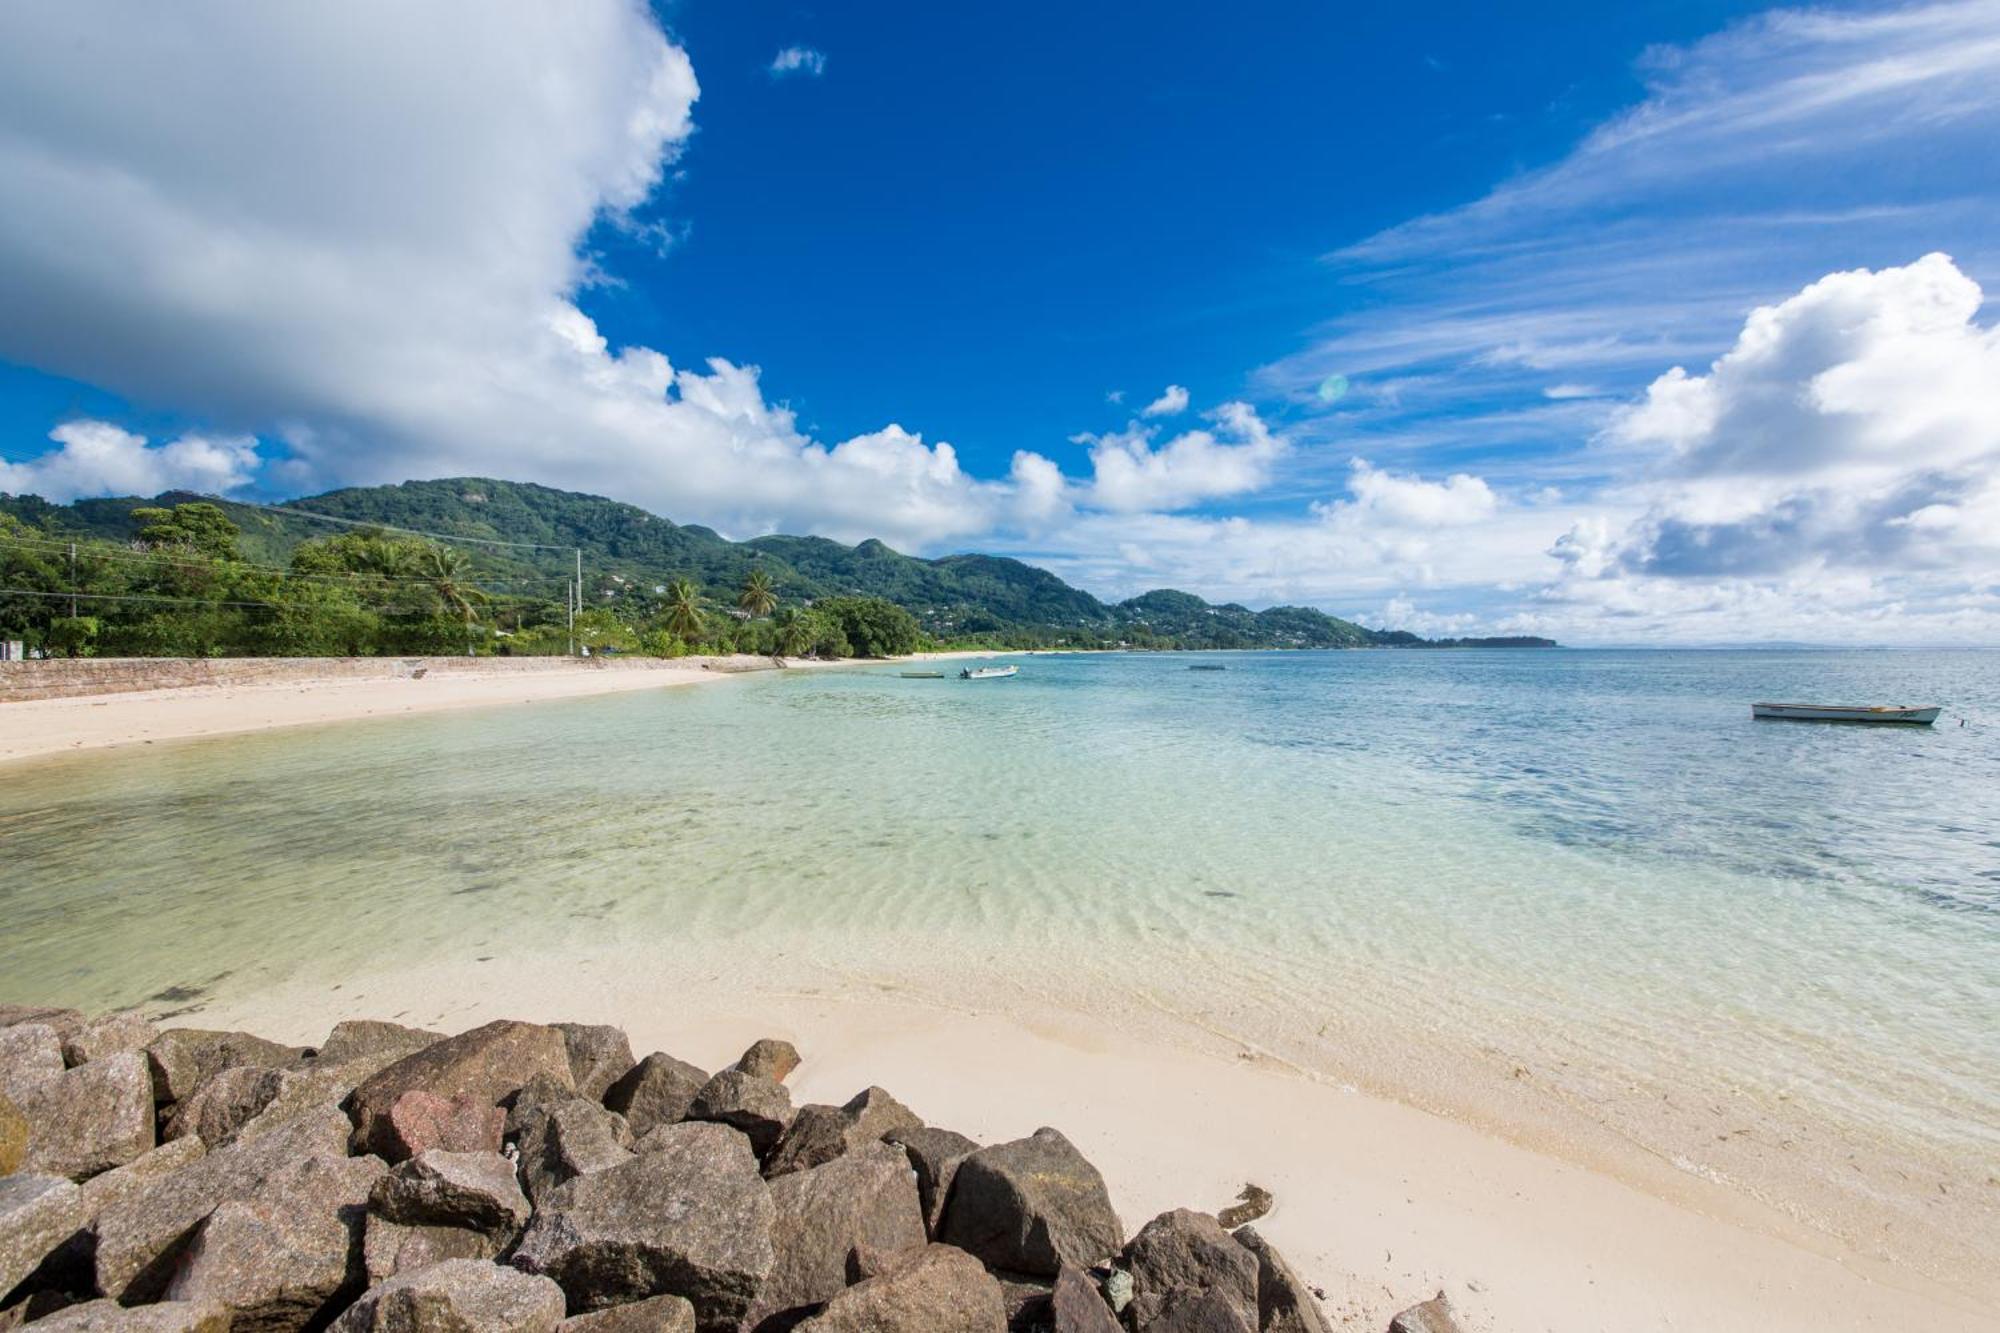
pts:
[871, 626]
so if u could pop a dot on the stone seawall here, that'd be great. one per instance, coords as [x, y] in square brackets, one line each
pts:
[61, 678]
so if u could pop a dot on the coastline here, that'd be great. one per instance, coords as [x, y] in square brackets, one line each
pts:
[73, 723]
[1378, 1202]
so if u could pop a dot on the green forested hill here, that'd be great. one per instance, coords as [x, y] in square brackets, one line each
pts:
[630, 556]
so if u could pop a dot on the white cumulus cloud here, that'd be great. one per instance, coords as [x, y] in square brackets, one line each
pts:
[1172, 402]
[96, 458]
[1129, 473]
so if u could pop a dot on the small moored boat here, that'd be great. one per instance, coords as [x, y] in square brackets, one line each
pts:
[1921, 717]
[921, 675]
[1208, 666]
[987, 673]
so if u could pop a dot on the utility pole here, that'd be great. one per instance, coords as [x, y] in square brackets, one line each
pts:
[72, 580]
[579, 601]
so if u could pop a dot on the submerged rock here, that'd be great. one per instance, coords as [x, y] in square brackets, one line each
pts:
[1433, 1316]
[656, 1091]
[1284, 1303]
[690, 1217]
[1031, 1206]
[1182, 1255]
[598, 1057]
[938, 1289]
[474, 1071]
[456, 1296]
[769, 1057]
[758, 1106]
[91, 1118]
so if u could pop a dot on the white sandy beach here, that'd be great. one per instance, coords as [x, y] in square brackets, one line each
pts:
[1378, 1203]
[38, 727]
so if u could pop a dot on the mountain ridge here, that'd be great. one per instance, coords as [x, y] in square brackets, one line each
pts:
[957, 597]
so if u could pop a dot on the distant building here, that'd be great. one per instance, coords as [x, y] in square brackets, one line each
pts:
[12, 650]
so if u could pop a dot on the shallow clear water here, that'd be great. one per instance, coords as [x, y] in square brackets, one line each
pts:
[1495, 882]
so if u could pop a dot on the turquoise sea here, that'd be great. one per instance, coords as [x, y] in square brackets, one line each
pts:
[1580, 896]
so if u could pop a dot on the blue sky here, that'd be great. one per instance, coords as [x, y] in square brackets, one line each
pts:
[1408, 291]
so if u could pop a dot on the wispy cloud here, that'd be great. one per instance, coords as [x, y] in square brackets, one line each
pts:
[798, 60]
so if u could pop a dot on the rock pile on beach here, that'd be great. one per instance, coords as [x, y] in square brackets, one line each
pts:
[522, 1176]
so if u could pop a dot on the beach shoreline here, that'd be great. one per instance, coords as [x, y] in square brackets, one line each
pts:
[72, 723]
[1379, 1203]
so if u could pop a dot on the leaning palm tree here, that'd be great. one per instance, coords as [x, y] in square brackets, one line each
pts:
[450, 574]
[757, 596]
[684, 610]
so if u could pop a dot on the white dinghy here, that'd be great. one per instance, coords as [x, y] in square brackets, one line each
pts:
[1921, 717]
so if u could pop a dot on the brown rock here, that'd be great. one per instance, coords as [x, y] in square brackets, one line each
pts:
[140, 1235]
[456, 1296]
[598, 1057]
[38, 1213]
[1252, 1202]
[759, 1107]
[1206, 1312]
[224, 1103]
[369, 1039]
[938, 1289]
[821, 1133]
[1284, 1304]
[30, 1055]
[1031, 1206]
[64, 1021]
[123, 1184]
[13, 1136]
[1433, 1316]
[1025, 1302]
[111, 1317]
[108, 1036]
[390, 1248]
[1184, 1254]
[91, 1118]
[656, 1091]
[769, 1058]
[539, 1095]
[184, 1058]
[935, 1154]
[288, 1256]
[1077, 1306]
[475, 1190]
[661, 1314]
[420, 1121]
[688, 1217]
[863, 1201]
[568, 1140]
[480, 1068]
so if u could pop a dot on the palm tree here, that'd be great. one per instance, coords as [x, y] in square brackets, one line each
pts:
[757, 597]
[795, 632]
[684, 610]
[449, 573]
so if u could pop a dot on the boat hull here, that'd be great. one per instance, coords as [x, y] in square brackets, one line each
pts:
[1917, 717]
